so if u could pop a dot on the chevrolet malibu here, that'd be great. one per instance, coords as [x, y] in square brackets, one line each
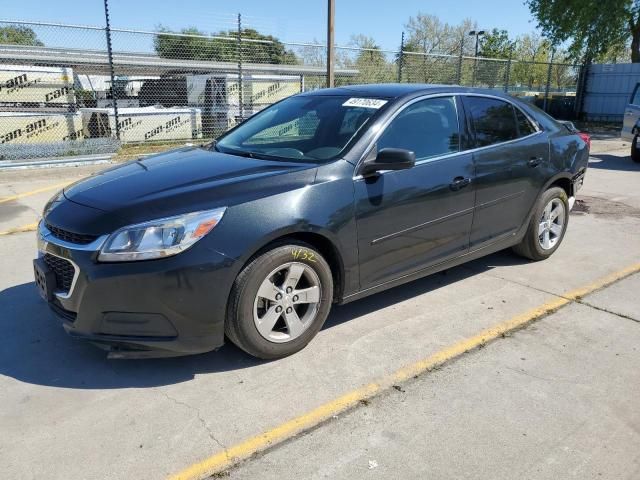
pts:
[325, 197]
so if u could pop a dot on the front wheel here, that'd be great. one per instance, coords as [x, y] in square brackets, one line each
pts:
[547, 226]
[635, 153]
[280, 301]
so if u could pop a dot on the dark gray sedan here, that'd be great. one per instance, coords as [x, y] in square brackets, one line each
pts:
[322, 198]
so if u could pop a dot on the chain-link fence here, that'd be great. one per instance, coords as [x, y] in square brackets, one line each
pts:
[58, 96]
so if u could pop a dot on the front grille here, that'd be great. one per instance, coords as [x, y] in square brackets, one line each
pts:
[70, 237]
[63, 270]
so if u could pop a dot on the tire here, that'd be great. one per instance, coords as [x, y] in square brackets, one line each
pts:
[535, 246]
[635, 153]
[254, 303]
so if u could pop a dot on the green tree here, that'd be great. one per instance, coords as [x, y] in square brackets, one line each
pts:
[194, 44]
[616, 54]
[592, 27]
[533, 54]
[496, 44]
[493, 45]
[19, 35]
[265, 49]
[370, 61]
[429, 48]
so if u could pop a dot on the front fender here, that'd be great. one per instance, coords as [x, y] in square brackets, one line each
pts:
[324, 208]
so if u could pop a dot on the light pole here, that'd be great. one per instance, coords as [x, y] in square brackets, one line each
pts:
[477, 34]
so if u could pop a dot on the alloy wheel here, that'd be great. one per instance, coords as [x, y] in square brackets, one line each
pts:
[287, 302]
[551, 224]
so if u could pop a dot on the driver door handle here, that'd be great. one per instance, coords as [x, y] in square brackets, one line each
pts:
[459, 182]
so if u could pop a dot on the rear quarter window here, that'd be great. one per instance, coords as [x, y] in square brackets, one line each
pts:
[525, 127]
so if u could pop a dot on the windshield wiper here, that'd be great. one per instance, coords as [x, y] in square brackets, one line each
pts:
[240, 153]
[251, 154]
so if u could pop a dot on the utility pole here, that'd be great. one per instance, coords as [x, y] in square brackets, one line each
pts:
[114, 98]
[331, 10]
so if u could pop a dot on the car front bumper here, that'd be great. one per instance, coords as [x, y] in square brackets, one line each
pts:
[166, 307]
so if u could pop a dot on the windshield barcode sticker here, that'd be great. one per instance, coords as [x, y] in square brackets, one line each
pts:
[364, 102]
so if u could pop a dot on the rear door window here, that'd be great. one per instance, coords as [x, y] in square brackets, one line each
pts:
[493, 120]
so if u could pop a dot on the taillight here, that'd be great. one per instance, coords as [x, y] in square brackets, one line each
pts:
[586, 137]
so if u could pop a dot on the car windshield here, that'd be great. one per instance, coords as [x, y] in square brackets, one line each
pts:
[303, 128]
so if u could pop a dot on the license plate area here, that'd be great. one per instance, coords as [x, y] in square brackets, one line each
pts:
[45, 279]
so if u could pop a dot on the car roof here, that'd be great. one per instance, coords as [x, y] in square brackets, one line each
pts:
[397, 90]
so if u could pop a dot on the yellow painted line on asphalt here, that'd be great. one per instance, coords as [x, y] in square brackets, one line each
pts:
[17, 196]
[30, 227]
[241, 451]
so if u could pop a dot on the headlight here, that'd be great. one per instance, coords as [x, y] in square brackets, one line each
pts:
[159, 238]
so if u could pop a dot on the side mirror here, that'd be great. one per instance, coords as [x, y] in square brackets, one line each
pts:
[389, 159]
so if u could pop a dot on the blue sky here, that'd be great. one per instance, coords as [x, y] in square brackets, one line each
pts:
[290, 20]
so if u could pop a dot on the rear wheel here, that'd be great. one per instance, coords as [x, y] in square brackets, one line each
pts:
[547, 226]
[280, 301]
[635, 153]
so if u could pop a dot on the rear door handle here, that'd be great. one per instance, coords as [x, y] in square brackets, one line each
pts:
[534, 161]
[459, 182]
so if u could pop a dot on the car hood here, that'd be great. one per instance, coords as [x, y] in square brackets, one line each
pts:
[185, 180]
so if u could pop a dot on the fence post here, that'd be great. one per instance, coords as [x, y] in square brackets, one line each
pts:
[114, 97]
[582, 88]
[508, 72]
[240, 83]
[401, 58]
[546, 88]
[459, 72]
[475, 71]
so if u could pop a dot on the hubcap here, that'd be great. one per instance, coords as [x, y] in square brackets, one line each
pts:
[551, 224]
[287, 302]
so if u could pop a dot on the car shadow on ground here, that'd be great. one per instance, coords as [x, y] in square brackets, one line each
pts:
[35, 349]
[603, 161]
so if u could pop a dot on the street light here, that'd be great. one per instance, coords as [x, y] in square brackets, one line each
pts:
[477, 34]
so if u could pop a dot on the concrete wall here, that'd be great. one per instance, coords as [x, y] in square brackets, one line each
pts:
[608, 90]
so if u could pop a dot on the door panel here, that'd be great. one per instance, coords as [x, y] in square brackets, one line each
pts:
[511, 162]
[631, 114]
[412, 218]
[508, 180]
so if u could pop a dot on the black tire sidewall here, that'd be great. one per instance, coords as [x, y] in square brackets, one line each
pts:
[246, 333]
[547, 196]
